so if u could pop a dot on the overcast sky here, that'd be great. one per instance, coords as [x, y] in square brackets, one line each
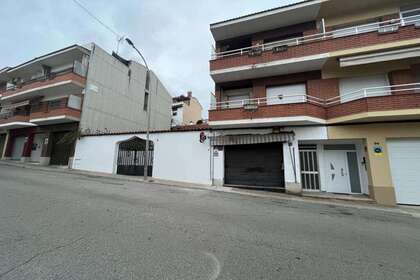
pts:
[173, 35]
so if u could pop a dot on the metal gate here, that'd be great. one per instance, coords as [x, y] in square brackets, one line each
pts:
[309, 167]
[256, 165]
[131, 157]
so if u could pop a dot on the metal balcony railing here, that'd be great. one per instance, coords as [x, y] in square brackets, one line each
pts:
[412, 88]
[264, 101]
[77, 68]
[277, 46]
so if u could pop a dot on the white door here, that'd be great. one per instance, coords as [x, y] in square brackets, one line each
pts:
[19, 143]
[37, 147]
[337, 175]
[404, 156]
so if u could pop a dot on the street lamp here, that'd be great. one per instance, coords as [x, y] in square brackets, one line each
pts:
[146, 153]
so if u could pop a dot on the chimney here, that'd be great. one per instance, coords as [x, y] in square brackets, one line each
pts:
[189, 94]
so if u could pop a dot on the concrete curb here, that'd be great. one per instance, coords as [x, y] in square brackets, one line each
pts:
[261, 194]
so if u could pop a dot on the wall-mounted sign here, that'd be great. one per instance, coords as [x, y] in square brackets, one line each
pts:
[378, 150]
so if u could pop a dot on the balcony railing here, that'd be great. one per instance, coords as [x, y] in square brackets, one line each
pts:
[278, 46]
[267, 101]
[77, 68]
[13, 116]
[412, 88]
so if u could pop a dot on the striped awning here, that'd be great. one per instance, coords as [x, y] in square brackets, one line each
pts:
[246, 139]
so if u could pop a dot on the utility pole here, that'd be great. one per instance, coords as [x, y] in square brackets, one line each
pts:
[148, 111]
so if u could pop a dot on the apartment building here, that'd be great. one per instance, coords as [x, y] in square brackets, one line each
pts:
[320, 96]
[47, 103]
[186, 110]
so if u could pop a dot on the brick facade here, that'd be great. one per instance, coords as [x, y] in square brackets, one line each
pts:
[323, 89]
[318, 47]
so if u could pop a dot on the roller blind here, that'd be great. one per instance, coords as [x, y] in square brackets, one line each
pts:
[295, 93]
[355, 87]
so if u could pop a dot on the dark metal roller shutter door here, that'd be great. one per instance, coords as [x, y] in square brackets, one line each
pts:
[259, 165]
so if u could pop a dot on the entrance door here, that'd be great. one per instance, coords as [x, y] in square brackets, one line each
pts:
[258, 165]
[37, 147]
[337, 175]
[18, 145]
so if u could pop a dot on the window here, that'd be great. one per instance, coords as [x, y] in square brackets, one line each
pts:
[410, 15]
[146, 100]
[236, 98]
[367, 86]
[286, 94]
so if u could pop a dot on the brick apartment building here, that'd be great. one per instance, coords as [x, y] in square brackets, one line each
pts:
[48, 102]
[320, 96]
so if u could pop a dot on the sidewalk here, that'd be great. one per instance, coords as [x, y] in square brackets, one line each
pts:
[359, 203]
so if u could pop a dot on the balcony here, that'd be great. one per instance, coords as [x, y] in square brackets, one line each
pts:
[57, 111]
[14, 119]
[396, 102]
[309, 52]
[63, 110]
[68, 81]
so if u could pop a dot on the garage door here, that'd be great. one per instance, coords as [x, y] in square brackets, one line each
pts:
[405, 170]
[259, 165]
[61, 149]
[18, 145]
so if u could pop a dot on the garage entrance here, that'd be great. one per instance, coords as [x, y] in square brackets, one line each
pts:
[62, 147]
[18, 145]
[256, 165]
[131, 157]
[404, 159]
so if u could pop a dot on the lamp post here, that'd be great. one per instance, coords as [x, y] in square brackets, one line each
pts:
[146, 154]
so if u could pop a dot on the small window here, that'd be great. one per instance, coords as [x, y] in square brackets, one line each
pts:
[286, 94]
[146, 101]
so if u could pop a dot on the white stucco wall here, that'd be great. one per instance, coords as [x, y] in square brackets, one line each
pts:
[178, 156]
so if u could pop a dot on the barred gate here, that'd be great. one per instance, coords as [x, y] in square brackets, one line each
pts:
[131, 157]
[309, 167]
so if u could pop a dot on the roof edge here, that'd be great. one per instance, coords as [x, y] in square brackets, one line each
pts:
[280, 9]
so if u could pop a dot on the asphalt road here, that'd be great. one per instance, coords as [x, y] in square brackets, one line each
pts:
[66, 226]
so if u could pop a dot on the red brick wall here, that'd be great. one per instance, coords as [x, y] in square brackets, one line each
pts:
[361, 40]
[401, 77]
[323, 88]
[271, 111]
